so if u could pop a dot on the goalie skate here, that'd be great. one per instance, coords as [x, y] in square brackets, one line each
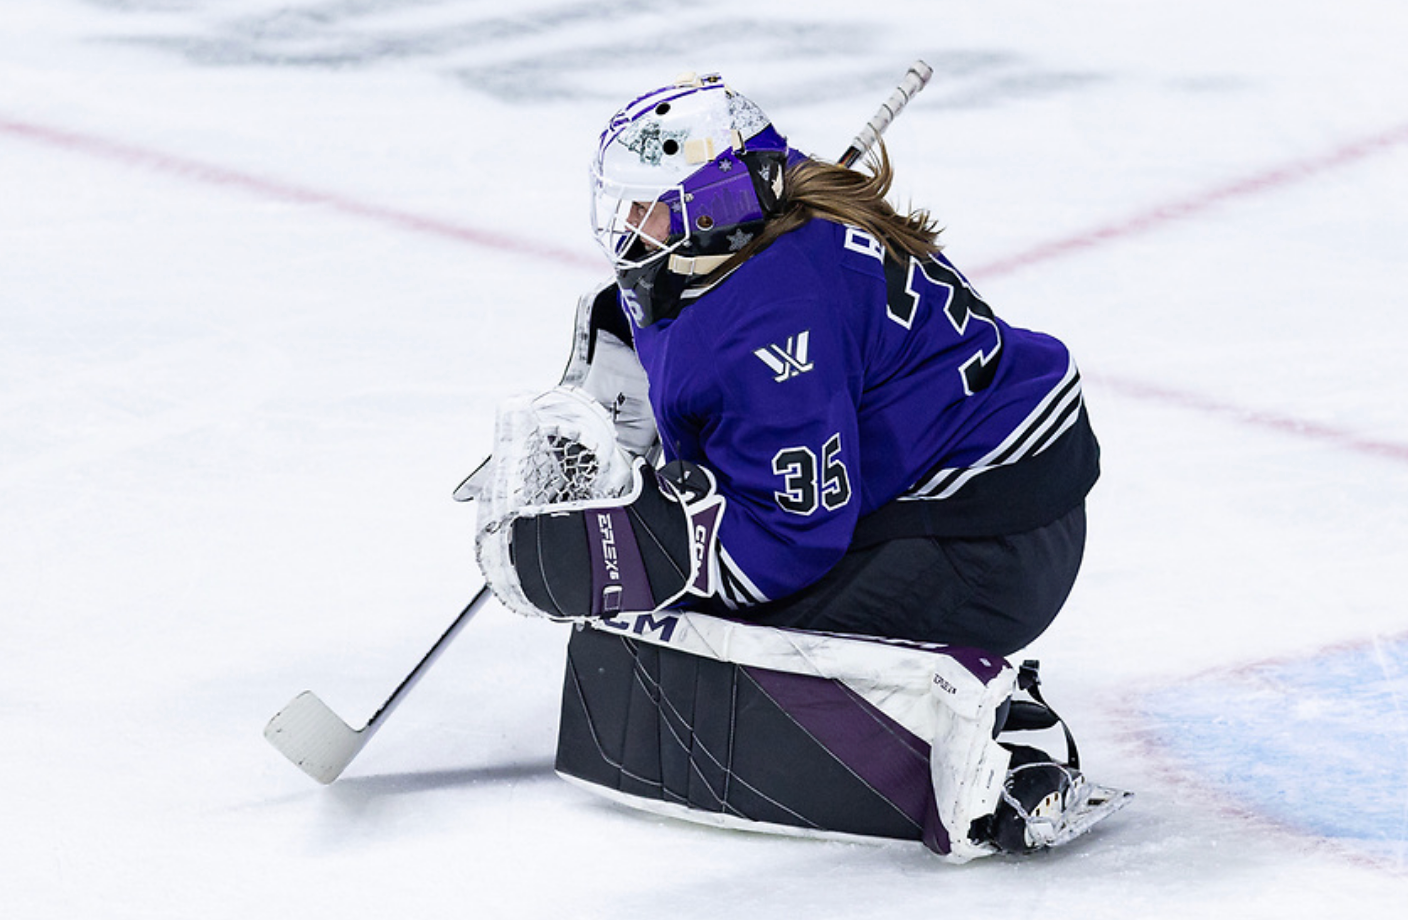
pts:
[1046, 805]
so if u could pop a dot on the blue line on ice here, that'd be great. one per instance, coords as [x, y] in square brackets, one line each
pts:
[1317, 744]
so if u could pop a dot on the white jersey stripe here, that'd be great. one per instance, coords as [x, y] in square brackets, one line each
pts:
[1051, 418]
[736, 589]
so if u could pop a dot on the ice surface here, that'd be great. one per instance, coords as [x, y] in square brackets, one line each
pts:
[1317, 744]
[266, 268]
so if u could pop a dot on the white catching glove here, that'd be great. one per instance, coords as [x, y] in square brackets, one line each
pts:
[570, 526]
[603, 365]
[558, 448]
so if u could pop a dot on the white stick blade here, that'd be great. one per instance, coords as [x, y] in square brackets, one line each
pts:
[314, 737]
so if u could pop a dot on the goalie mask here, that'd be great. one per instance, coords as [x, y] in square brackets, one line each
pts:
[683, 177]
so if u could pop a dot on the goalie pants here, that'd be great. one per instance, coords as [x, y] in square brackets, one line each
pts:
[993, 593]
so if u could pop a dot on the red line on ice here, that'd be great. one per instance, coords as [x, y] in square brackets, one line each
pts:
[1141, 222]
[1159, 215]
[210, 174]
[1271, 421]
[1156, 217]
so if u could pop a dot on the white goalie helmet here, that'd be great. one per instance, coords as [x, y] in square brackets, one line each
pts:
[682, 178]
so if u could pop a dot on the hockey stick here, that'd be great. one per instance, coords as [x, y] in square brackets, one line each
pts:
[315, 738]
[320, 743]
[915, 80]
[469, 488]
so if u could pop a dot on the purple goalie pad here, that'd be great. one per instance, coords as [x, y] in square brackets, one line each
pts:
[879, 751]
[741, 744]
[983, 665]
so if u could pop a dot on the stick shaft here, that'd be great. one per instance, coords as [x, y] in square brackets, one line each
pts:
[436, 650]
[320, 743]
[915, 80]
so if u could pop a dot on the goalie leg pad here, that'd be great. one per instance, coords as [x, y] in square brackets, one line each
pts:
[783, 731]
[970, 690]
[748, 748]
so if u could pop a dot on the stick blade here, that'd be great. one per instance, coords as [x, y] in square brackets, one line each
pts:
[473, 483]
[314, 737]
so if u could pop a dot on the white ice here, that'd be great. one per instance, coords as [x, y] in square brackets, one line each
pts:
[267, 267]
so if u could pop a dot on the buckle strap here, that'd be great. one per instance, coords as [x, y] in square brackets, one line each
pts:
[1023, 715]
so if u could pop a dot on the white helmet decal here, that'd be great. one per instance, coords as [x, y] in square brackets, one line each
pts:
[651, 141]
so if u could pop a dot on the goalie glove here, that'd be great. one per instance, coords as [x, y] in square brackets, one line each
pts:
[603, 365]
[570, 526]
[641, 552]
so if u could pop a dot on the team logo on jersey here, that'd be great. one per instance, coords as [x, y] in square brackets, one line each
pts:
[787, 360]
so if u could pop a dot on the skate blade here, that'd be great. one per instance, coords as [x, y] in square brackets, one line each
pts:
[1097, 804]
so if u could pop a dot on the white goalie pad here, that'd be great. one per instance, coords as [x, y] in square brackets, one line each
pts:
[557, 449]
[616, 379]
[968, 766]
[948, 698]
[607, 368]
[577, 366]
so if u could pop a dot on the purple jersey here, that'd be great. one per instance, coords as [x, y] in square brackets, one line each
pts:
[822, 383]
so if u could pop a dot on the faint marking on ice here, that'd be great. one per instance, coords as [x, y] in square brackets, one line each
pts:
[260, 186]
[1393, 676]
[1317, 745]
[1155, 218]
[551, 51]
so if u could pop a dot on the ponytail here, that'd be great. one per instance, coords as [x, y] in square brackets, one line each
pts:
[813, 189]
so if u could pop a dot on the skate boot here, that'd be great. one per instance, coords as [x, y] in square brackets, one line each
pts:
[1045, 803]
[1035, 798]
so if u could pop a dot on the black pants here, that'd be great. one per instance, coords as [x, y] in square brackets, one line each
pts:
[993, 593]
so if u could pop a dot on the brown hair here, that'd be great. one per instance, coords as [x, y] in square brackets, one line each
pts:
[814, 189]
